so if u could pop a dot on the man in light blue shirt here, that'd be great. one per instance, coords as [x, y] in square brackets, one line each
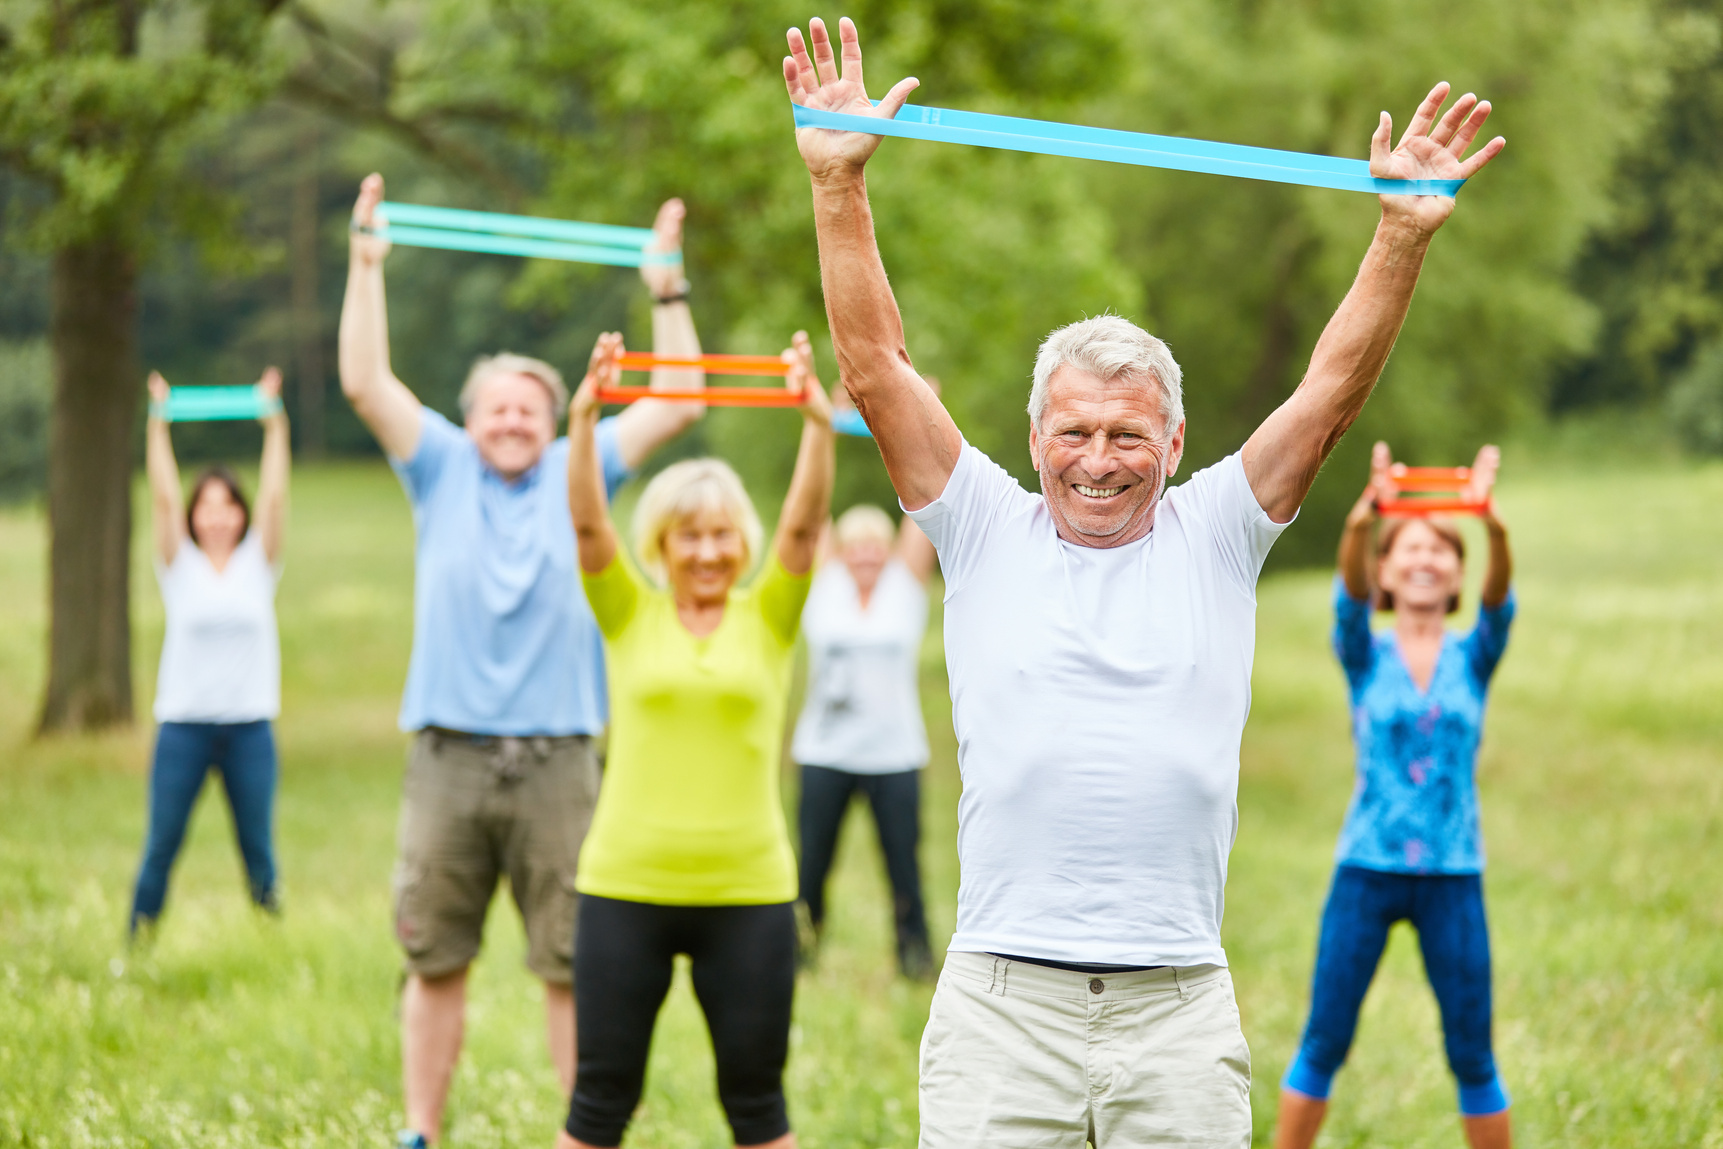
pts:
[505, 688]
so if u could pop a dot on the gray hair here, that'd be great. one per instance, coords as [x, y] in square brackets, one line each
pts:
[684, 489]
[1108, 346]
[488, 367]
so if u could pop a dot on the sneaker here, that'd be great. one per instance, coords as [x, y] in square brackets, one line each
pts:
[411, 1139]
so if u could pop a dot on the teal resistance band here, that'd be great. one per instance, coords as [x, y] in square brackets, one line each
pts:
[454, 229]
[1047, 138]
[207, 404]
[850, 422]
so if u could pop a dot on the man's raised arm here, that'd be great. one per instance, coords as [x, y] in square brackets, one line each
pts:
[916, 436]
[1282, 457]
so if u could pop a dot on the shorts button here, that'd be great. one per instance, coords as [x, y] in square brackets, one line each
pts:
[1096, 985]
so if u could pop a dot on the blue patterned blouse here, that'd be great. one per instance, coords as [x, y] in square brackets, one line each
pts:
[1415, 806]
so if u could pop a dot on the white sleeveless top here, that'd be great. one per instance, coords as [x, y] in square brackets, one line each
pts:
[221, 656]
[863, 709]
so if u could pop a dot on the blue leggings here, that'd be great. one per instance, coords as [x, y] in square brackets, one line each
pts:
[1447, 910]
[244, 753]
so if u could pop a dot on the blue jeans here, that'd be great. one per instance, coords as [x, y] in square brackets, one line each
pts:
[1447, 910]
[244, 753]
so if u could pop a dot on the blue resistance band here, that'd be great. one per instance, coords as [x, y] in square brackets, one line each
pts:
[1011, 133]
[208, 404]
[850, 422]
[455, 229]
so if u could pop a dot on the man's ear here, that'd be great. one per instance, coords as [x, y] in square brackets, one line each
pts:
[1176, 450]
[1034, 448]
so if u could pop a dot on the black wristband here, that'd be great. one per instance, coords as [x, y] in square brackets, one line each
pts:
[664, 300]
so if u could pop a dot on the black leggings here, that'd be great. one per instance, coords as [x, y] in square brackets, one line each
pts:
[896, 802]
[744, 961]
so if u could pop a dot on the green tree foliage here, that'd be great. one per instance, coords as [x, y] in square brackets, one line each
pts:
[1655, 270]
[99, 101]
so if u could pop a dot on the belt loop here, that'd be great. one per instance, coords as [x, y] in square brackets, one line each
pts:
[1184, 990]
[997, 985]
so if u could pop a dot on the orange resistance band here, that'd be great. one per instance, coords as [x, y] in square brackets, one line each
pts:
[712, 365]
[1427, 486]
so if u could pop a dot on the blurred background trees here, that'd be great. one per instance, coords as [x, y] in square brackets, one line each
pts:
[1584, 271]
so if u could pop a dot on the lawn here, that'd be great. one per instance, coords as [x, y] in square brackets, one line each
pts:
[1602, 777]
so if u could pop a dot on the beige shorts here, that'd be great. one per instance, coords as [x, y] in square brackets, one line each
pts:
[474, 811]
[1018, 1055]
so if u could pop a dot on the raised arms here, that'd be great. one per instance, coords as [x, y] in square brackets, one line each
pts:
[270, 520]
[1282, 457]
[916, 437]
[809, 500]
[1356, 552]
[1499, 574]
[167, 502]
[382, 402]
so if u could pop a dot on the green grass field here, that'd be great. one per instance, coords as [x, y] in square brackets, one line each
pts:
[1602, 777]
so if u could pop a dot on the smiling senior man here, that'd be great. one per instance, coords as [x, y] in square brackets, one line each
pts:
[506, 683]
[1099, 638]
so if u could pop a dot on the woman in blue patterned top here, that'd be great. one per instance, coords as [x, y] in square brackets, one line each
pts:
[1411, 847]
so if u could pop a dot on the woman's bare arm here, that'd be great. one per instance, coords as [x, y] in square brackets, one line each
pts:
[167, 502]
[273, 471]
[1355, 537]
[1499, 575]
[594, 535]
[808, 505]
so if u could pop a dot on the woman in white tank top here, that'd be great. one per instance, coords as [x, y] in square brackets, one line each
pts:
[219, 686]
[861, 727]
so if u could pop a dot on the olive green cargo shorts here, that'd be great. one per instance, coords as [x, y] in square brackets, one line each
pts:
[475, 810]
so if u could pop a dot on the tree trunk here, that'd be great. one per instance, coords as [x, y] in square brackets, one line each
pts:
[96, 383]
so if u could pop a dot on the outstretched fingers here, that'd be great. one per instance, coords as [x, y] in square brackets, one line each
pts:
[1443, 133]
[1468, 131]
[1426, 114]
[799, 72]
[849, 49]
[1481, 157]
[897, 97]
[1381, 142]
[823, 59]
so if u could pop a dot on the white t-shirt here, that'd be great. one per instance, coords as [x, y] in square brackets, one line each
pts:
[221, 657]
[863, 710]
[1099, 698]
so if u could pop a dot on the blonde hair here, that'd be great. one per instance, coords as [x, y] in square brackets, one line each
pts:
[863, 523]
[687, 488]
[487, 367]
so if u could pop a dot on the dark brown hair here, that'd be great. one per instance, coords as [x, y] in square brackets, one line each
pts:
[1390, 531]
[222, 475]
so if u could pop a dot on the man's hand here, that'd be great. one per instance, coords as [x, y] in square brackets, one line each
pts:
[158, 388]
[368, 249]
[817, 83]
[1431, 150]
[604, 369]
[665, 280]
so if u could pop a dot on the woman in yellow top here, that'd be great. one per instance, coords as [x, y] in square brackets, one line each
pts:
[688, 851]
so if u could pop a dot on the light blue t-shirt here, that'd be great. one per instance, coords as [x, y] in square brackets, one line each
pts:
[503, 641]
[1415, 805]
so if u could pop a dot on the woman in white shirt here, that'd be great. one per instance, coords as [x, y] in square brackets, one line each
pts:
[861, 726]
[219, 685]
